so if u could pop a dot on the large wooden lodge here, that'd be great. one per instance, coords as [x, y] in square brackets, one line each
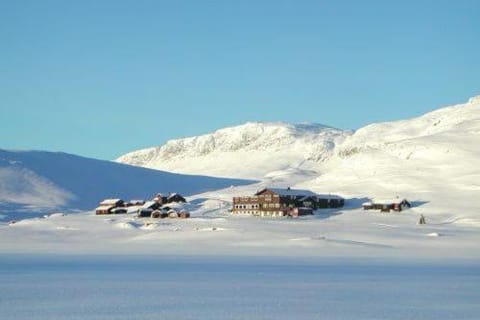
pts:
[278, 202]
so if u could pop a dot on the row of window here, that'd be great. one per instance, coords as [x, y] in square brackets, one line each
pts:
[263, 213]
[257, 206]
[247, 206]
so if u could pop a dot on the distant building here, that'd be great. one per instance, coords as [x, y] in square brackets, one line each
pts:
[278, 202]
[171, 197]
[147, 208]
[107, 205]
[387, 205]
[175, 197]
[135, 203]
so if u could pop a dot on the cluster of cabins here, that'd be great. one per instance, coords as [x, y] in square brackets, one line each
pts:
[272, 202]
[159, 207]
[278, 202]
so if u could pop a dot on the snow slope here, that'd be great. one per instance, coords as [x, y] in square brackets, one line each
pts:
[250, 150]
[432, 159]
[45, 181]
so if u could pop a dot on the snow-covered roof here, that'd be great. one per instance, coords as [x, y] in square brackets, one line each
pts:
[329, 196]
[290, 192]
[367, 204]
[148, 204]
[110, 201]
[173, 195]
[323, 196]
[388, 201]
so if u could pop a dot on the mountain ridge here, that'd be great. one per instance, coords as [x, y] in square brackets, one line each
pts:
[307, 146]
[256, 142]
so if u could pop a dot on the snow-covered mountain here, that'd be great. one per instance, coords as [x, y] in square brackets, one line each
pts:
[250, 150]
[432, 158]
[38, 180]
[265, 150]
[428, 157]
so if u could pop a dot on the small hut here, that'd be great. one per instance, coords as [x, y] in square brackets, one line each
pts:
[184, 214]
[172, 213]
[146, 210]
[387, 205]
[175, 197]
[156, 214]
[161, 199]
[367, 206]
[107, 205]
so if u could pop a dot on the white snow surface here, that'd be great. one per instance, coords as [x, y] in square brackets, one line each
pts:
[92, 287]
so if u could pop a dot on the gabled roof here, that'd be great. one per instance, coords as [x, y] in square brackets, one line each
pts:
[389, 201]
[174, 195]
[148, 204]
[136, 201]
[110, 201]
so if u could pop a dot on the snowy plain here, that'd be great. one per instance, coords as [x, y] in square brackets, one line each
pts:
[164, 287]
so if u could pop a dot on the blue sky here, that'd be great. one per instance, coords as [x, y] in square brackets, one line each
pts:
[101, 78]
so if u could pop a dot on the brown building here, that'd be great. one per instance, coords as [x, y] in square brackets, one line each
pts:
[278, 202]
[107, 205]
[387, 205]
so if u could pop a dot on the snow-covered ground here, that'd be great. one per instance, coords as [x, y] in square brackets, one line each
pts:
[160, 287]
[213, 230]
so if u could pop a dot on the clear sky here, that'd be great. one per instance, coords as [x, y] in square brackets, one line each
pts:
[101, 78]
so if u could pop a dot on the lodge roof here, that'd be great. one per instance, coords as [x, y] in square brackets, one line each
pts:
[289, 192]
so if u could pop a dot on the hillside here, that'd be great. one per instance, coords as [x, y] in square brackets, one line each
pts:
[250, 150]
[45, 181]
[432, 159]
